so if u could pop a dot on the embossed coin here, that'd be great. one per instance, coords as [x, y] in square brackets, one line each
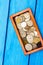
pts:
[36, 40]
[29, 38]
[18, 19]
[29, 23]
[23, 24]
[28, 47]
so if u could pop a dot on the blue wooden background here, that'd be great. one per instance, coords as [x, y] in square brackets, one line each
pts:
[10, 49]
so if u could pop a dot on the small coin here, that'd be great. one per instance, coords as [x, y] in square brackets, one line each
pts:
[28, 47]
[19, 26]
[36, 40]
[29, 23]
[29, 38]
[23, 24]
[18, 19]
[32, 28]
[32, 33]
[35, 32]
[26, 28]
[23, 18]
[27, 19]
[22, 33]
[27, 15]
[34, 46]
[25, 41]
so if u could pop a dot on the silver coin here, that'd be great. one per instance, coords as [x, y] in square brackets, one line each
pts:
[29, 23]
[34, 46]
[27, 15]
[22, 33]
[23, 24]
[32, 33]
[29, 38]
[19, 26]
[28, 47]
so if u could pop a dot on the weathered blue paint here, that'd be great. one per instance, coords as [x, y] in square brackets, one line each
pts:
[37, 57]
[3, 20]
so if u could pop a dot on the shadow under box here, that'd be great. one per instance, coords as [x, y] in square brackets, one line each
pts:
[27, 31]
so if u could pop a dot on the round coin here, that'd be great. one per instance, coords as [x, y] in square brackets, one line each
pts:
[35, 32]
[18, 19]
[36, 40]
[23, 24]
[29, 23]
[27, 15]
[34, 46]
[28, 47]
[29, 38]
[22, 33]
[32, 33]
[19, 26]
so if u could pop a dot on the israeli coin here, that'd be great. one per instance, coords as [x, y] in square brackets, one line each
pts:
[28, 47]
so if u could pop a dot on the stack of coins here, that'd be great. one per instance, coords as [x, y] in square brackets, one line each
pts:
[27, 31]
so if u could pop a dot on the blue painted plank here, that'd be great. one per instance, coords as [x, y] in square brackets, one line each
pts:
[14, 54]
[3, 20]
[37, 58]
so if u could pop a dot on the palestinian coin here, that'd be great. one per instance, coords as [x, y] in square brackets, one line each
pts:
[28, 47]
[29, 38]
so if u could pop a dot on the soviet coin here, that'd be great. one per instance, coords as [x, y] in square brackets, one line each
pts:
[28, 47]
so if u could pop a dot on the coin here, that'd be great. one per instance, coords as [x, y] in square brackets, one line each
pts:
[36, 40]
[23, 24]
[35, 32]
[27, 15]
[32, 33]
[32, 29]
[27, 19]
[34, 46]
[29, 23]
[22, 33]
[18, 19]
[29, 38]
[23, 18]
[28, 47]
[19, 26]
[26, 28]
[25, 41]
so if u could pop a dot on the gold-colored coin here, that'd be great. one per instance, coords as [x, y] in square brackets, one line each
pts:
[29, 23]
[26, 28]
[32, 29]
[36, 40]
[25, 41]
[18, 19]
[19, 26]
[23, 18]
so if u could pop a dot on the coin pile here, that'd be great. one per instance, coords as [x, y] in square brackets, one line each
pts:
[27, 31]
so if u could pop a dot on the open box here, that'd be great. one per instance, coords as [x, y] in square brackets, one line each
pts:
[20, 21]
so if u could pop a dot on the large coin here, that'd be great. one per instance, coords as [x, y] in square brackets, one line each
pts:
[28, 47]
[29, 38]
[29, 23]
[36, 40]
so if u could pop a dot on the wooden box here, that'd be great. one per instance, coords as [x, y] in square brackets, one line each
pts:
[16, 21]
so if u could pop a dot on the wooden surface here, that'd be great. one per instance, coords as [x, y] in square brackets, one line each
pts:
[10, 49]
